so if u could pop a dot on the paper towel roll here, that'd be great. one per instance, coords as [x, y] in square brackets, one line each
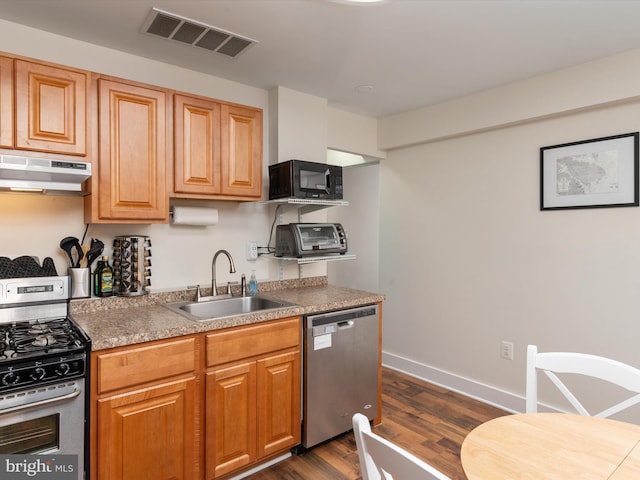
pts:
[194, 216]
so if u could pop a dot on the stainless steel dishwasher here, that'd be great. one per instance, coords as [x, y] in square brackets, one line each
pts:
[340, 376]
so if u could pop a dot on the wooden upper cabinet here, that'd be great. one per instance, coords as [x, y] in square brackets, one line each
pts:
[6, 102]
[51, 108]
[197, 145]
[241, 144]
[132, 153]
[218, 149]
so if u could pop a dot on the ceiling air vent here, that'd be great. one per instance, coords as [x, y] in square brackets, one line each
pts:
[174, 27]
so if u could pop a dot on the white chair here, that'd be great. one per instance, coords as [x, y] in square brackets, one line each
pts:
[382, 460]
[603, 368]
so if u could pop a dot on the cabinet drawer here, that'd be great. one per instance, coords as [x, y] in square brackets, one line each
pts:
[245, 342]
[146, 363]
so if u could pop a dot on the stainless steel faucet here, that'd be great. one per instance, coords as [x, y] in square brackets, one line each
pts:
[197, 289]
[232, 269]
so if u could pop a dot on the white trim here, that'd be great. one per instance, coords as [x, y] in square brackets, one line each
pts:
[485, 393]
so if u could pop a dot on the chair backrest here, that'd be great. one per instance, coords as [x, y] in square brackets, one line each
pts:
[382, 460]
[603, 368]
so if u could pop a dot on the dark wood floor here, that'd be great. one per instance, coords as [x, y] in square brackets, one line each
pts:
[425, 419]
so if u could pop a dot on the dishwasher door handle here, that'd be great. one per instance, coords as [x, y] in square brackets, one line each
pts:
[346, 324]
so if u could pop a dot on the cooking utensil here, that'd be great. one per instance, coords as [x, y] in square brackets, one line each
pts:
[85, 250]
[49, 267]
[95, 251]
[73, 249]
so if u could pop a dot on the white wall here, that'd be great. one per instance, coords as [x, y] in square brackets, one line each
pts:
[472, 260]
[590, 85]
[352, 133]
[362, 224]
[301, 126]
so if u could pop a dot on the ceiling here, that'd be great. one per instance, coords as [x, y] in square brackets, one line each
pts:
[408, 53]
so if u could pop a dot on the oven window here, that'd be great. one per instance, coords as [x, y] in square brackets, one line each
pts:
[30, 436]
[318, 235]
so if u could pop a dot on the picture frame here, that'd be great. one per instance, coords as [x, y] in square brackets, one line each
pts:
[597, 173]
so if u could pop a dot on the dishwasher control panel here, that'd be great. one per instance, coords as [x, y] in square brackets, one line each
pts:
[325, 329]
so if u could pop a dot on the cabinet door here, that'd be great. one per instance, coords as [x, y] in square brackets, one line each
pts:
[241, 157]
[278, 402]
[132, 163]
[149, 433]
[51, 109]
[230, 419]
[6, 102]
[197, 145]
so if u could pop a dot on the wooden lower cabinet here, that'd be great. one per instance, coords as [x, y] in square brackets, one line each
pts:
[253, 411]
[148, 433]
[231, 419]
[253, 401]
[278, 402]
[145, 411]
[158, 411]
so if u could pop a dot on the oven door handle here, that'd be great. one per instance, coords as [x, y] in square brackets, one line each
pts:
[68, 396]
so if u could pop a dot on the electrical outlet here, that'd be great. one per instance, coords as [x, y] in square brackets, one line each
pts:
[252, 251]
[506, 350]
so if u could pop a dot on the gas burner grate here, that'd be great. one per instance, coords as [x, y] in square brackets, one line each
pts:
[24, 338]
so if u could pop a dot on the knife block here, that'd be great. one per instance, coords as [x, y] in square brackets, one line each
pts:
[131, 265]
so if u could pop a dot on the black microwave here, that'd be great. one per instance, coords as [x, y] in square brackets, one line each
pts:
[300, 179]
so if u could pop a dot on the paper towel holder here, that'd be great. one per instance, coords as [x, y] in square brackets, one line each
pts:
[194, 216]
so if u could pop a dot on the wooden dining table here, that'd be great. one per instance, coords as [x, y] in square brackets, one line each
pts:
[552, 446]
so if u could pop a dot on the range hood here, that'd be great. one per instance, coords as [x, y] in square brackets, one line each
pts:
[43, 175]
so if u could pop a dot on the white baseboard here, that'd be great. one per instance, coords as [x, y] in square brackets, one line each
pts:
[470, 388]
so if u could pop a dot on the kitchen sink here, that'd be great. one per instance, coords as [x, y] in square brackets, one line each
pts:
[226, 307]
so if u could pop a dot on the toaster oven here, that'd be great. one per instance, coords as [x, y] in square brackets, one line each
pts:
[302, 239]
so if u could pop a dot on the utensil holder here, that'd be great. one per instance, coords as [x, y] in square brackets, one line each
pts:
[80, 279]
[131, 265]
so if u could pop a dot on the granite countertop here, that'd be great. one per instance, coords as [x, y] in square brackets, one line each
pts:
[119, 321]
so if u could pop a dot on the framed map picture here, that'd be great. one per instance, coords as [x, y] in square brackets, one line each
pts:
[590, 174]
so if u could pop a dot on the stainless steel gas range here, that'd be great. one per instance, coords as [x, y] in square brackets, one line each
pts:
[43, 370]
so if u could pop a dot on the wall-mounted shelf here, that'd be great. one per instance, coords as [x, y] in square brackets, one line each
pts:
[308, 205]
[304, 206]
[319, 258]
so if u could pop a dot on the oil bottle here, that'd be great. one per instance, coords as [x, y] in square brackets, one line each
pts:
[103, 278]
